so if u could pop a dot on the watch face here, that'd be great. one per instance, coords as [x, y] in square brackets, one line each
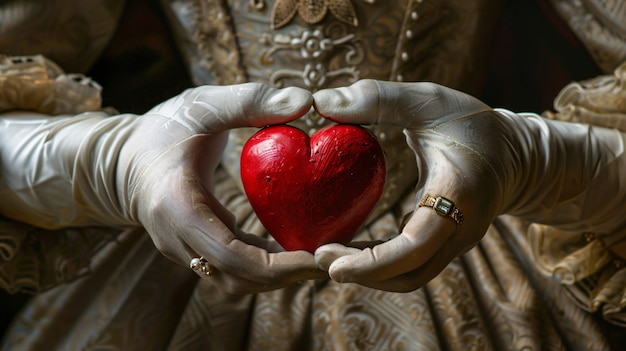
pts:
[443, 206]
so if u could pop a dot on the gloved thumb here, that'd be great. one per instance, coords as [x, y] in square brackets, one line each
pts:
[407, 105]
[213, 109]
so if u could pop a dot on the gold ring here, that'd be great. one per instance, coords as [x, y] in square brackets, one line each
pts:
[201, 264]
[443, 206]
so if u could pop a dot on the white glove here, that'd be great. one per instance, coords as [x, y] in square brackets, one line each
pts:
[153, 170]
[488, 162]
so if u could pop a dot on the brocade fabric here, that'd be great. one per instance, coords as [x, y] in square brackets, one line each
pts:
[523, 286]
[599, 24]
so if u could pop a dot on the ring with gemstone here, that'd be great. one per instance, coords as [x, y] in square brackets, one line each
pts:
[201, 264]
[443, 206]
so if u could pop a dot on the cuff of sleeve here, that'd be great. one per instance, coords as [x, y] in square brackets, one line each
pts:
[35, 83]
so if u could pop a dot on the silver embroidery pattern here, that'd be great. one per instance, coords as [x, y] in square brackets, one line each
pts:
[318, 50]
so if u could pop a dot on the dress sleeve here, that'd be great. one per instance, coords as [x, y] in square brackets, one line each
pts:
[33, 259]
[589, 265]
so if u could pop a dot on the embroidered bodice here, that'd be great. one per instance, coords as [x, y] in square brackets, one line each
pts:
[316, 44]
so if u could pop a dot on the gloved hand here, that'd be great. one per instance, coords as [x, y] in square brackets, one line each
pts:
[487, 162]
[153, 170]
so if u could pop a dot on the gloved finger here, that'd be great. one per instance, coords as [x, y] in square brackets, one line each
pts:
[229, 219]
[325, 255]
[455, 246]
[417, 278]
[189, 213]
[405, 282]
[362, 244]
[231, 283]
[260, 242]
[408, 105]
[236, 257]
[213, 109]
[234, 284]
[252, 263]
[424, 235]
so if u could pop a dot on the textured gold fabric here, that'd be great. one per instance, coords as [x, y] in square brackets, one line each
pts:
[394, 40]
[512, 291]
[599, 24]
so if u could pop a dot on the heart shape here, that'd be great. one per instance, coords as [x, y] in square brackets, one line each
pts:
[312, 191]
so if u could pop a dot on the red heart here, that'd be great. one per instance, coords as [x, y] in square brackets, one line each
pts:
[310, 192]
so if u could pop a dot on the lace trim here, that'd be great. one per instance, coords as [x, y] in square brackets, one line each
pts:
[590, 266]
[37, 84]
[599, 101]
[593, 276]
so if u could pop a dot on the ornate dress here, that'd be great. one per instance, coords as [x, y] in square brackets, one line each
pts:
[523, 286]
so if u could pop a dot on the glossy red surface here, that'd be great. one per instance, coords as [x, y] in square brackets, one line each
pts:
[312, 191]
